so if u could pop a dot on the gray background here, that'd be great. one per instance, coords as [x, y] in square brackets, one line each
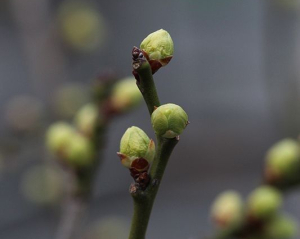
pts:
[234, 71]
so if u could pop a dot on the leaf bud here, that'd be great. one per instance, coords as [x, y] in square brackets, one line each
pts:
[264, 202]
[169, 120]
[158, 48]
[80, 151]
[281, 227]
[283, 161]
[125, 95]
[81, 26]
[135, 145]
[87, 119]
[227, 210]
[58, 137]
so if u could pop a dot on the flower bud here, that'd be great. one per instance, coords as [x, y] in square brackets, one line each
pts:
[227, 210]
[86, 119]
[169, 120]
[82, 27]
[80, 151]
[159, 48]
[58, 137]
[134, 145]
[264, 202]
[125, 95]
[281, 227]
[283, 161]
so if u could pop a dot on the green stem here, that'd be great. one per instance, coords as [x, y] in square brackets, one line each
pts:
[141, 215]
[79, 191]
[70, 223]
[146, 84]
[144, 200]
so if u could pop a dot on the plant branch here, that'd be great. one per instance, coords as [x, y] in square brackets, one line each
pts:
[79, 187]
[144, 199]
[142, 71]
[70, 223]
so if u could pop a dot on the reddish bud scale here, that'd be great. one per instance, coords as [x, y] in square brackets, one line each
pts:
[138, 171]
[271, 177]
[143, 180]
[138, 166]
[136, 55]
[155, 64]
[108, 110]
[221, 222]
[253, 225]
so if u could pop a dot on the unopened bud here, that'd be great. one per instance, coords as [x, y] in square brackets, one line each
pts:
[264, 202]
[82, 27]
[227, 210]
[136, 148]
[80, 151]
[283, 161]
[159, 48]
[58, 137]
[281, 227]
[87, 118]
[169, 120]
[125, 95]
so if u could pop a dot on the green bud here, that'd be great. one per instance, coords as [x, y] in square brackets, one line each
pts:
[169, 120]
[125, 95]
[227, 210]
[281, 227]
[80, 151]
[136, 144]
[158, 46]
[82, 27]
[264, 202]
[86, 119]
[283, 160]
[58, 137]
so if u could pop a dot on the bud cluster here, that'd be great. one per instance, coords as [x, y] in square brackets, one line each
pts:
[75, 144]
[261, 215]
[137, 151]
[258, 217]
[70, 144]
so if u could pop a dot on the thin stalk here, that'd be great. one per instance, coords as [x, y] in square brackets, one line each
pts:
[70, 224]
[144, 200]
[79, 188]
[146, 83]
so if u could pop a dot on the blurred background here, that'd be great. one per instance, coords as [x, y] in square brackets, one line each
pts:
[235, 71]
